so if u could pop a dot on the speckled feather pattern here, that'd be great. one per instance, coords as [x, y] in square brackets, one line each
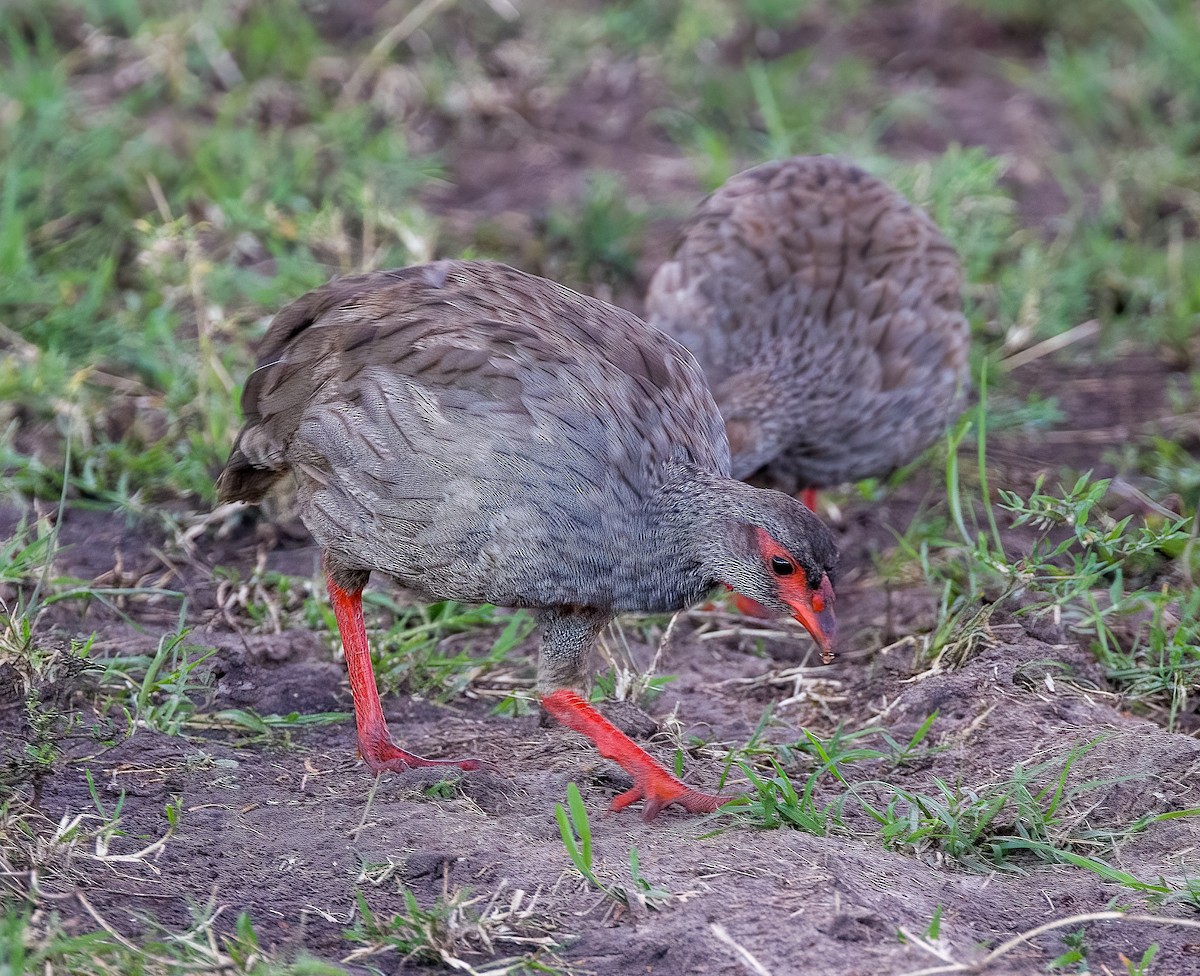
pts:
[826, 311]
[479, 434]
[483, 435]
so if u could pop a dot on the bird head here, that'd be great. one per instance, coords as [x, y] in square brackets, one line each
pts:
[781, 556]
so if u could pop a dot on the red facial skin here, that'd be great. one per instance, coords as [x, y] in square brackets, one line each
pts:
[812, 607]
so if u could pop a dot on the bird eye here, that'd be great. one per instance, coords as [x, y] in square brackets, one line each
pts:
[781, 566]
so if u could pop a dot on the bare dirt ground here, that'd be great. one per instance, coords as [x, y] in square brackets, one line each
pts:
[287, 828]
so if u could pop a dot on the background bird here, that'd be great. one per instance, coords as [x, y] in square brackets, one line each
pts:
[826, 312]
[483, 435]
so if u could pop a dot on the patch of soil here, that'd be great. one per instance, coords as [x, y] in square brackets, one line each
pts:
[1106, 402]
[289, 829]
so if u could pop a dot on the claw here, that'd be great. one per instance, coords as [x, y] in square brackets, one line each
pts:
[387, 757]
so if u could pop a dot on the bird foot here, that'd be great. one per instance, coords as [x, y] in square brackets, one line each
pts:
[752, 608]
[663, 789]
[375, 744]
[744, 605]
[384, 756]
[651, 782]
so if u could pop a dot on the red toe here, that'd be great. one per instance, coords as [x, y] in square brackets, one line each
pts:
[386, 756]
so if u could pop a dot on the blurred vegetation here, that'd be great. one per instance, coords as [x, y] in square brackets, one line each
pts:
[173, 171]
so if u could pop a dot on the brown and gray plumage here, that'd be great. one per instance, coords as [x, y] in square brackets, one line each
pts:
[482, 435]
[826, 312]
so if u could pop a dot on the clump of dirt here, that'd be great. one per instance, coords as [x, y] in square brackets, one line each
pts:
[288, 827]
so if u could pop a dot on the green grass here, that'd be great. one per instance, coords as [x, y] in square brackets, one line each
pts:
[1036, 815]
[1121, 585]
[1129, 100]
[171, 181]
[439, 650]
[455, 929]
[601, 237]
[173, 217]
[72, 687]
[50, 947]
[575, 828]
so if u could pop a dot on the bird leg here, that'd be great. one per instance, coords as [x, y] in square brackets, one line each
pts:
[809, 497]
[650, 781]
[752, 608]
[375, 743]
[566, 641]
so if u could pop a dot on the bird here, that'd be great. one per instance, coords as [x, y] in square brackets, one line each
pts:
[826, 312]
[483, 435]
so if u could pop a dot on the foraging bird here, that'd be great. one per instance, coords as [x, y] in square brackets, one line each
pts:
[483, 435]
[826, 312]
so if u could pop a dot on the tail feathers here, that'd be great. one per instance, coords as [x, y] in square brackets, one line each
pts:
[242, 481]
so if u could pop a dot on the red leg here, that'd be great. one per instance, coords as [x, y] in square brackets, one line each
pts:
[745, 606]
[650, 781]
[752, 608]
[374, 741]
[809, 497]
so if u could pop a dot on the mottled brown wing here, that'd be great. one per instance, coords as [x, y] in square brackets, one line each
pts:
[457, 425]
[826, 312]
